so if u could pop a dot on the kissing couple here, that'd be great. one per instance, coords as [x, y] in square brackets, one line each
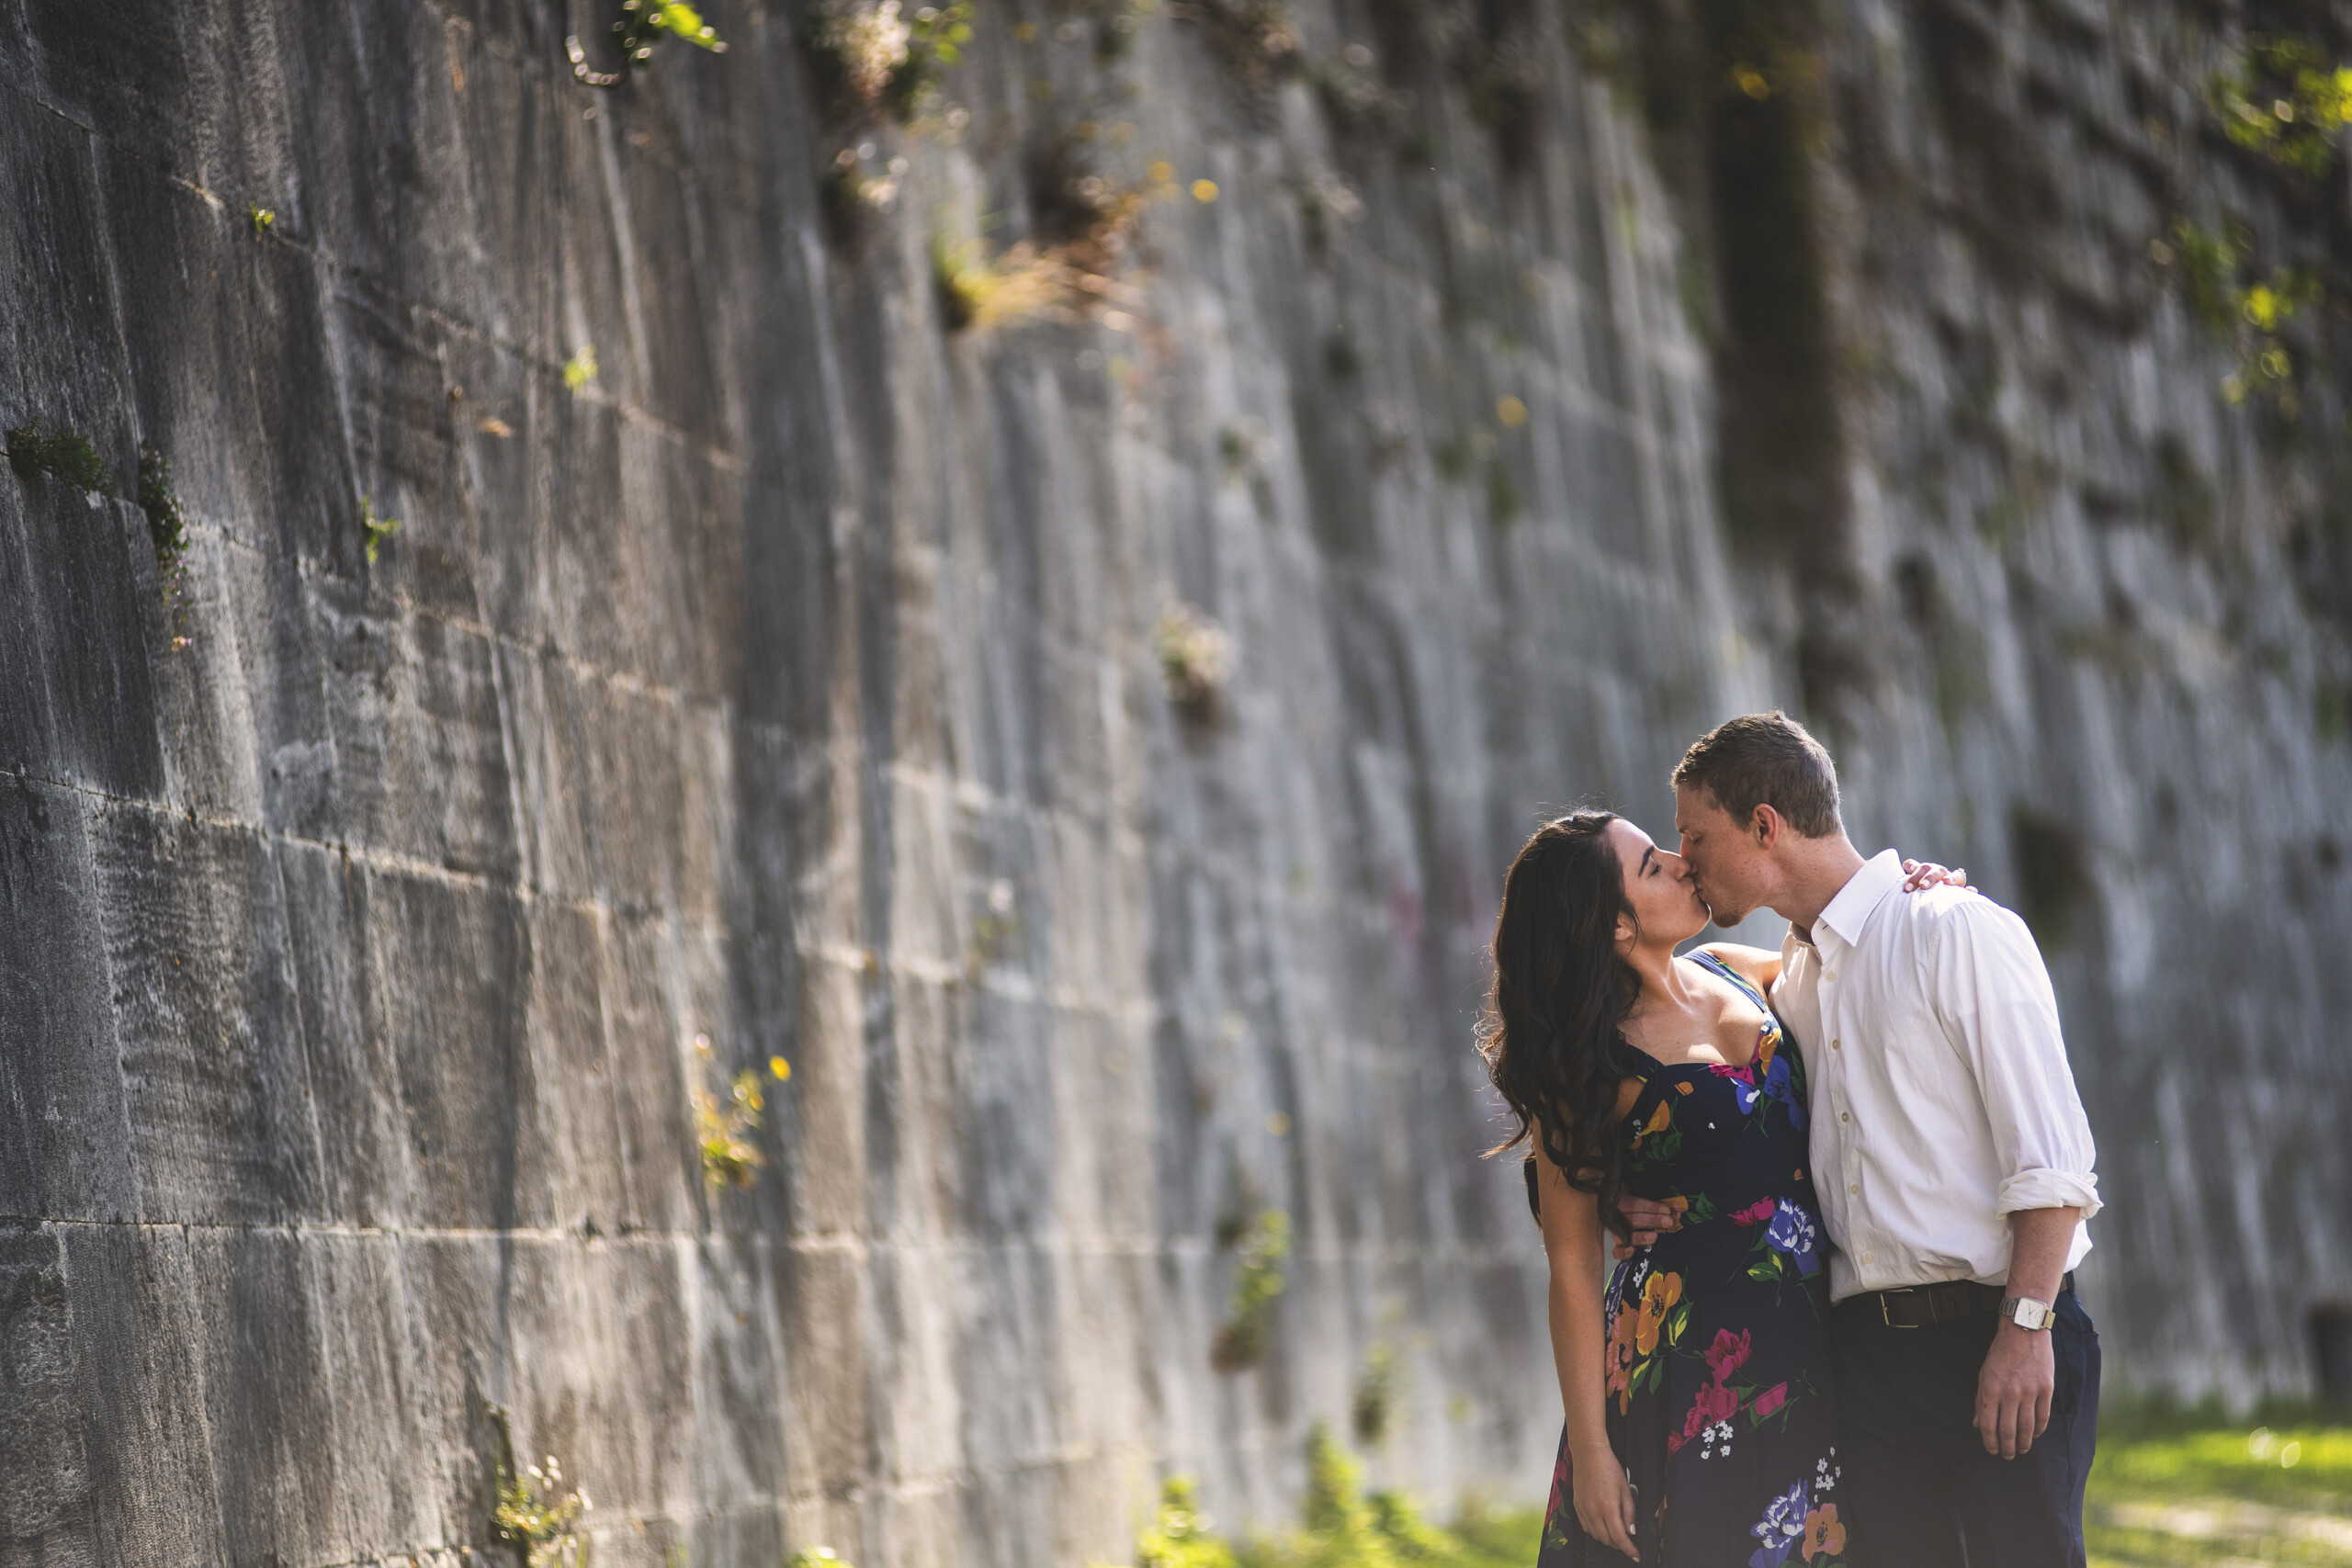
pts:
[1852, 1178]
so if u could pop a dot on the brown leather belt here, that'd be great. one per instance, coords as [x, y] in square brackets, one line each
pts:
[1924, 1307]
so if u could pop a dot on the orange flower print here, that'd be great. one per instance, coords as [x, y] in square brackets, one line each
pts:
[1657, 1124]
[1824, 1536]
[1619, 1360]
[1764, 1049]
[1658, 1295]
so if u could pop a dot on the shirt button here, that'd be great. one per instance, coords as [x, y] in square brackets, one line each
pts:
[1856, 1189]
[1866, 1258]
[1829, 973]
[1845, 1116]
[1834, 1044]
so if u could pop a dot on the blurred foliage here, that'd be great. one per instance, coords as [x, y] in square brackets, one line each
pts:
[538, 1518]
[888, 58]
[1377, 1393]
[935, 40]
[2250, 313]
[1195, 662]
[1085, 225]
[642, 24]
[2283, 98]
[1240, 1341]
[724, 1129]
[1343, 1527]
[377, 529]
[1255, 40]
[1180, 1537]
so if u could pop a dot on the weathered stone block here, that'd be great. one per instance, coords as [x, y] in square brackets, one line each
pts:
[65, 1134]
[48, 1515]
[216, 1086]
[139, 1342]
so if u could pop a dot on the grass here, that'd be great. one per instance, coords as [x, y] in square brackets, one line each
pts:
[2188, 1488]
[1344, 1526]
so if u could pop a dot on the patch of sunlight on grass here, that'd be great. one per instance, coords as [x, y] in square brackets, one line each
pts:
[2190, 1488]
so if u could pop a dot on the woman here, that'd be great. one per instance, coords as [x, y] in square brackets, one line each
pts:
[1700, 1428]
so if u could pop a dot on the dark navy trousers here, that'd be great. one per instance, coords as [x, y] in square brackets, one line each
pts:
[1919, 1491]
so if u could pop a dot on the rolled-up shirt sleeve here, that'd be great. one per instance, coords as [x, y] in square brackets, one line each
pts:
[1993, 996]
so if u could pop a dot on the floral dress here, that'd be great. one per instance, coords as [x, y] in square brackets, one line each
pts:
[1718, 1349]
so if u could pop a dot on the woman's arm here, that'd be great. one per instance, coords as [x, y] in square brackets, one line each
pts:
[1753, 964]
[1571, 1220]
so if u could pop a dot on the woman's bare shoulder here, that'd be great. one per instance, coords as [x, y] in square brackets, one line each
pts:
[1751, 963]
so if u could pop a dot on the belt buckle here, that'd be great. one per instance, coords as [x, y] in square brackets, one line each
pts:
[1899, 1291]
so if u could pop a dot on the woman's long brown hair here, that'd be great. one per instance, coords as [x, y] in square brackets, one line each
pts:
[1553, 1038]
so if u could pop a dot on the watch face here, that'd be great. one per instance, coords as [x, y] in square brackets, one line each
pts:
[2025, 1313]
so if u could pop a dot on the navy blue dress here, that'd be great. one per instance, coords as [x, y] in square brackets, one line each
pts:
[1718, 1336]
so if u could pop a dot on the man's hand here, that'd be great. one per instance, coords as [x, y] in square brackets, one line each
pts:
[1648, 1217]
[2014, 1388]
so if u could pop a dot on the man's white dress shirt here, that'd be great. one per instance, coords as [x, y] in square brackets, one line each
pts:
[1942, 1099]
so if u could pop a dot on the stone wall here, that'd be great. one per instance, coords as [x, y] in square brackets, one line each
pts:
[794, 682]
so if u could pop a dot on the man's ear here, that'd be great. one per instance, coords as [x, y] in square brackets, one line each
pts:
[1768, 825]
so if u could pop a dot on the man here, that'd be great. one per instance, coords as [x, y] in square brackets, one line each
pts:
[1952, 1159]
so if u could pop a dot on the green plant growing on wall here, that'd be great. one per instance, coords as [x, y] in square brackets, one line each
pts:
[261, 219]
[2282, 99]
[724, 1129]
[867, 42]
[815, 1557]
[1255, 40]
[935, 40]
[2251, 316]
[166, 524]
[996, 931]
[978, 292]
[1180, 1536]
[1195, 663]
[642, 24]
[36, 451]
[538, 1518]
[885, 57]
[377, 529]
[849, 192]
[1240, 1341]
[1376, 1392]
[1065, 275]
[579, 369]
[1502, 494]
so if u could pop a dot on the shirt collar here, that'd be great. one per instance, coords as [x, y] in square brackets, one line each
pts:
[1849, 911]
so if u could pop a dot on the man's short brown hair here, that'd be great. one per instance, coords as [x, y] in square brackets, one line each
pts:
[1765, 759]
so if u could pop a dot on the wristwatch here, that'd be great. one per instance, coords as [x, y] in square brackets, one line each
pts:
[2027, 1313]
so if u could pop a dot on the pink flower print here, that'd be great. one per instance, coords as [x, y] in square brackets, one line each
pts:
[1729, 1353]
[1771, 1398]
[1717, 1403]
[1756, 1214]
